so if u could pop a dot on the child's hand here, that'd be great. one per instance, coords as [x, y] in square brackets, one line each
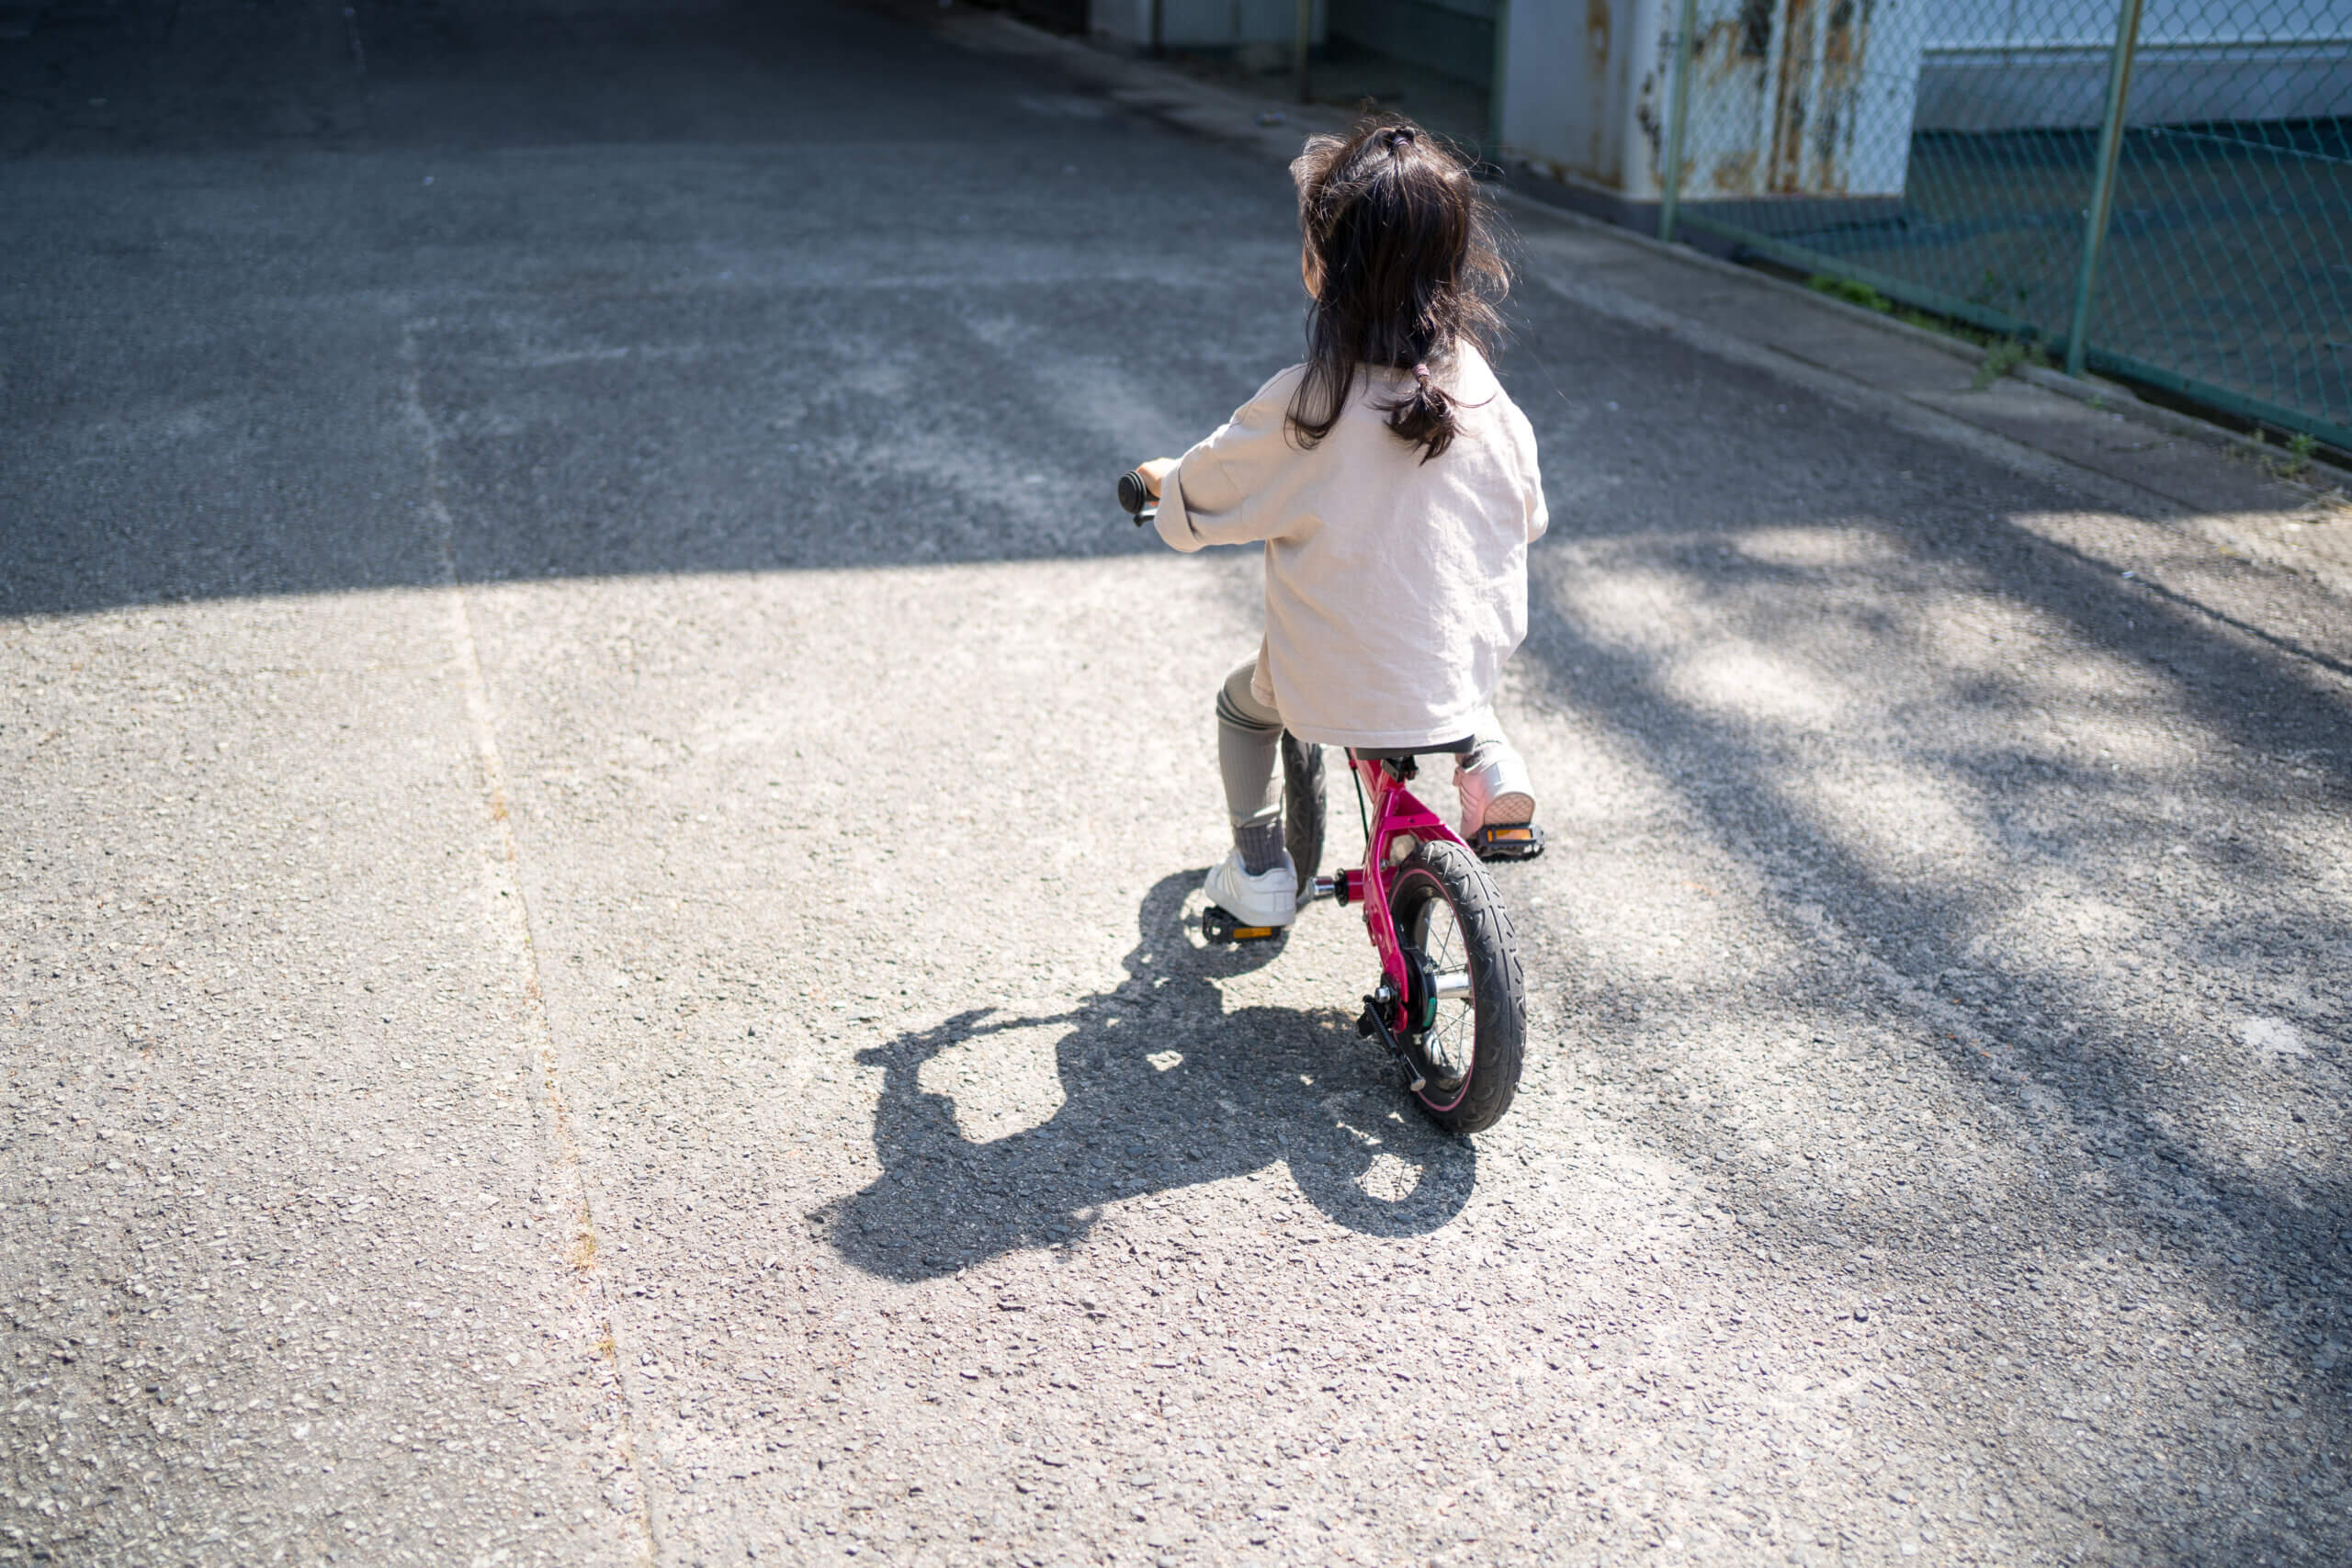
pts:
[1153, 472]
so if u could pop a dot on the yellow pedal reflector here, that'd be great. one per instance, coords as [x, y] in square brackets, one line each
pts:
[1244, 934]
[1511, 833]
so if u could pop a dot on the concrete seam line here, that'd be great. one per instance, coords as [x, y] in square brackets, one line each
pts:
[2121, 400]
[508, 911]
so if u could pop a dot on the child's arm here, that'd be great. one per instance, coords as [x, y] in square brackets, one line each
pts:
[1236, 487]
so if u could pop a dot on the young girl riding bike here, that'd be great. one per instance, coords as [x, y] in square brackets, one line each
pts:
[1393, 485]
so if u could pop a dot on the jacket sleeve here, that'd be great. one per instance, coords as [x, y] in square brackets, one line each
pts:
[1227, 489]
[1539, 514]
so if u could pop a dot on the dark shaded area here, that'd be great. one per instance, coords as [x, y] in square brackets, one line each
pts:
[676, 290]
[1253, 1086]
[289, 76]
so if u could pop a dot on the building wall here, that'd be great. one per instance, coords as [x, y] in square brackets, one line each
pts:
[1577, 83]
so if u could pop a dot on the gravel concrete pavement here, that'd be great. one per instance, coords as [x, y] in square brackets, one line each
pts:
[605, 825]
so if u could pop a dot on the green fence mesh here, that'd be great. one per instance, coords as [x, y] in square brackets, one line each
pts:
[1950, 155]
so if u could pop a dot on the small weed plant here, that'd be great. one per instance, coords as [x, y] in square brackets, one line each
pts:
[1851, 291]
[2299, 448]
[2000, 359]
[1858, 293]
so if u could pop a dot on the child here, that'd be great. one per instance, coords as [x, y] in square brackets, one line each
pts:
[1393, 485]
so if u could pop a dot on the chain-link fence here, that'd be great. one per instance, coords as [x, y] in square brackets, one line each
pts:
[2158, 189]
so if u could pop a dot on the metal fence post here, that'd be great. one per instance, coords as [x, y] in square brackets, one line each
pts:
[2111, 150]
[1677, 115]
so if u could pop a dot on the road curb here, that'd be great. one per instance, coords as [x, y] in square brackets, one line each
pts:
[2113, 396]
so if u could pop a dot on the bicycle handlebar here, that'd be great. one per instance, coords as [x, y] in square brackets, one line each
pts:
[1136, 498]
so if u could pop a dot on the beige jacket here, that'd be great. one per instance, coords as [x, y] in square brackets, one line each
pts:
[1394, 589]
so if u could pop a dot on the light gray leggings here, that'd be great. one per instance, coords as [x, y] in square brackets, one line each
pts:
[1249, 740]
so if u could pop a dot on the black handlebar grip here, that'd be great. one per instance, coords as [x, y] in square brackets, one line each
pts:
[1134, 494]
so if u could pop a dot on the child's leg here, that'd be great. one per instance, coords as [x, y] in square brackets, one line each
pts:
[1249, 743]
[1496, 789]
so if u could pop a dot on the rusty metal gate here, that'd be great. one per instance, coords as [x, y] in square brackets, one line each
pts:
[2156, 189]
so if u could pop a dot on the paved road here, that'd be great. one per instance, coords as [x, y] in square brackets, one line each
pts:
[601, 819]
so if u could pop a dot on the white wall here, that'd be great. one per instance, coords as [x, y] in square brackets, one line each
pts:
[2034, 63]
[1575, 81]
[2092, 22]
[1803, 104]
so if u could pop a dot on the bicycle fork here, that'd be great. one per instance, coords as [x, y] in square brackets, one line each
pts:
[1373, 1021]
[1347, 887]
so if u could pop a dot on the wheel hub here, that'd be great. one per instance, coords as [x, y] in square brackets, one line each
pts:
[1421, 991]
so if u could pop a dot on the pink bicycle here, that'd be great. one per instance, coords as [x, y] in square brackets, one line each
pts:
[1451, 1001]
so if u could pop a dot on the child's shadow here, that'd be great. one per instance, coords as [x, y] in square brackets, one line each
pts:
[1162, 1088]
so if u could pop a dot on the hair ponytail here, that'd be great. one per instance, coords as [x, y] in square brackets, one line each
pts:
[1406, 273]
[1424, 415]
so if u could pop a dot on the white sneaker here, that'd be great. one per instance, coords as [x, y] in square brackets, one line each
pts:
[1268, 898]
[1497, 792]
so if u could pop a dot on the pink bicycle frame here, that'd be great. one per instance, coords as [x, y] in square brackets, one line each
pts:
[1397, 815]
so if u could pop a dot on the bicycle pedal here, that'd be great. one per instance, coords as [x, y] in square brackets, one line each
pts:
[1217, 925]
[1518, 840]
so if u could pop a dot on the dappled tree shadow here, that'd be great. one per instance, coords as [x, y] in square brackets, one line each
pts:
[2121, 1147]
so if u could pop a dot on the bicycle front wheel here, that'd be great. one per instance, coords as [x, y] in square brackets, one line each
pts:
[1467, 1002]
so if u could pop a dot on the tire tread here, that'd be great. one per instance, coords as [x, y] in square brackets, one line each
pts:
[1491, 951]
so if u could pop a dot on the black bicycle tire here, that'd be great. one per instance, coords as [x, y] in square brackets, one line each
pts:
[1305, 811]
[1498, 986]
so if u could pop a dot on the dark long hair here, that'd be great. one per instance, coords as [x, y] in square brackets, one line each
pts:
[1397, 235]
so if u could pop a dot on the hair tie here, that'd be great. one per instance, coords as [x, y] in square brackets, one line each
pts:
[1421, 372]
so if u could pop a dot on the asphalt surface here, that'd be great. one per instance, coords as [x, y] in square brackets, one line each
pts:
[601, 818]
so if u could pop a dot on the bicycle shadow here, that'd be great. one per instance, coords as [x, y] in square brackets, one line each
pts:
[1163, 1089]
